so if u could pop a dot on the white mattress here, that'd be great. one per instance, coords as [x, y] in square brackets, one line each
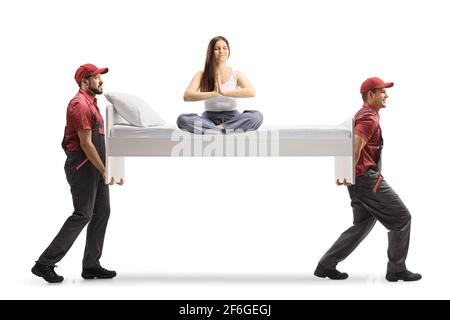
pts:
[124, 131]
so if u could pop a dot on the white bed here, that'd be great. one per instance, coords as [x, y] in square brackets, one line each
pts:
[124, 140]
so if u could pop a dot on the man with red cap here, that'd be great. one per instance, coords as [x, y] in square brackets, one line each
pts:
[84, 145]
[372, 199]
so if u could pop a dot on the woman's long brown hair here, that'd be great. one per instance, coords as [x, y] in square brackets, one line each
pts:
[208, 80]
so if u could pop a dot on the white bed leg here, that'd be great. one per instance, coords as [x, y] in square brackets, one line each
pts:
[115, 168]
[344, 166]
[344, 169]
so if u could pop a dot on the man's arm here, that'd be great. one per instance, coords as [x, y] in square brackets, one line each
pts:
[85, 136]
[360, 143]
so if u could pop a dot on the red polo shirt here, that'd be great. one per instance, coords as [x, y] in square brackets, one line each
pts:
[367, 126]
[80, 115]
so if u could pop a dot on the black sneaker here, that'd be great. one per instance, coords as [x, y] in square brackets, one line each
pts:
[99, 273]
[404, 275]
[46, 272]
[333, 274]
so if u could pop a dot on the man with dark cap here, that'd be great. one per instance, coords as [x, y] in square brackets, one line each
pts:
[372, 199]
[84, 145]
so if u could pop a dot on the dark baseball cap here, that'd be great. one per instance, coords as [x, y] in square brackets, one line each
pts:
[88, 70]
[374, 83]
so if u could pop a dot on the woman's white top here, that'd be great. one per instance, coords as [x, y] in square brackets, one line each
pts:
[222, 103]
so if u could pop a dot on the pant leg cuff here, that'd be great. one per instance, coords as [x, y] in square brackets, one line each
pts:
[395, 268]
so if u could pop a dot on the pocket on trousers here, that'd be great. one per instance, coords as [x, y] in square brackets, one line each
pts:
[377, 183]
[79, 166]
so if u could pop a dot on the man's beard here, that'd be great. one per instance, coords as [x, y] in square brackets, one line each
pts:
[95, 90]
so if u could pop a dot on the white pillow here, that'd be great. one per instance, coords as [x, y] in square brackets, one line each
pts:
[133, 109]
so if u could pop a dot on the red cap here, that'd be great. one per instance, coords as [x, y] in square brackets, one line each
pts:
[374, 83]
[88, 70]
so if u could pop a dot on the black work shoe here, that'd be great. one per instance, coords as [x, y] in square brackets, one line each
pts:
[99, 273]
[333, 274]
[404, 275]
[46, 272]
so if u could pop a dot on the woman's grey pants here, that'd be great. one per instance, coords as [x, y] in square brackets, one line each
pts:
[373, 199]
[232, 121]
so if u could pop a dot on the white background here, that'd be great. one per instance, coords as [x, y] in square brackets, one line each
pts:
[225, 228]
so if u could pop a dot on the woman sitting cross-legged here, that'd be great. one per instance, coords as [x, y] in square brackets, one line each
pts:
[219, 86]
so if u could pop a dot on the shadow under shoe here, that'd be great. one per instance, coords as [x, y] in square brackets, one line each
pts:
[97, 273]
[46, 272]
[333, 274]
[404, 275]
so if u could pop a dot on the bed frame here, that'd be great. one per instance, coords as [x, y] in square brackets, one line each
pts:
[256, 143]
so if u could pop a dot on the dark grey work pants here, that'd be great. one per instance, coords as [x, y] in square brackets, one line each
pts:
[232, 120]
[90, 198]
[370, 205]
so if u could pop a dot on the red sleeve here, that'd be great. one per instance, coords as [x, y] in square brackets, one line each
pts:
[80, 115]
[365, 125]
